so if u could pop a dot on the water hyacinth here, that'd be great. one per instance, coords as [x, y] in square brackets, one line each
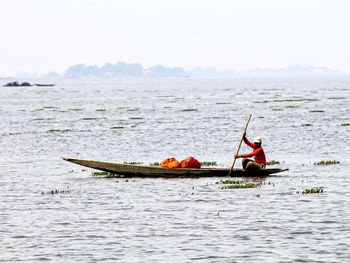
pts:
[57, 130]
[272, 162]
[189, 110]
[106, 174]
[56, 191]
[235, 184]
[134, 163]
[316, 190]
[247, 185]
[326, 162]
[213, 163]
[314, 111]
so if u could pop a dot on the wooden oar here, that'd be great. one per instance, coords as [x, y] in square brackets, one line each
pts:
[239, 146]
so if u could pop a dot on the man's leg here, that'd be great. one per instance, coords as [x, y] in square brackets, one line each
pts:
[245, 162]
[253, 166]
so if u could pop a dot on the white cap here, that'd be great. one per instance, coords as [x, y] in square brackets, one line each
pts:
[257, 140]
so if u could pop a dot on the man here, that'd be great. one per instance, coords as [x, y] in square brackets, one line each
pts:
[258, 154]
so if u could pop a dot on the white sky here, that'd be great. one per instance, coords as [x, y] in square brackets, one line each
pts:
[51, 35]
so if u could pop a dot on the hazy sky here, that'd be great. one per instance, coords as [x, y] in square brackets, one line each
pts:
[51, 35]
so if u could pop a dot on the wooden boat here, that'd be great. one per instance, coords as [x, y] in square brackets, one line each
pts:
[44, 85]
[128, 170]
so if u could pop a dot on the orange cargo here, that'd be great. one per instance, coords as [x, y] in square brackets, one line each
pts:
[170, 163]
[190, 162]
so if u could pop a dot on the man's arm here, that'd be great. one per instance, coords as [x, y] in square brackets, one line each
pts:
[247, 142]
[252, 154]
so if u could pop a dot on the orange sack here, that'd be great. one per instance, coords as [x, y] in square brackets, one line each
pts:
[170, 163]
[190, 162]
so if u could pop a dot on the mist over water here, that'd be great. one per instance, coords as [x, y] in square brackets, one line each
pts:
[178, 220]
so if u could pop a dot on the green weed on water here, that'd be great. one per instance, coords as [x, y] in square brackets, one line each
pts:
[272, 162]
[314, 111]
[326, 162]
[236, 186]
[56, 130]
[316, 190]
[189, 110]
[134, 163]
[212, 163]
[106, 174]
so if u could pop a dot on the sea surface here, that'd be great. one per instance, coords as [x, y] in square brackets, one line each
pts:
[97, 219]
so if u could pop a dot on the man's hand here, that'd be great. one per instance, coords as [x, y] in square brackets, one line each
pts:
[238, 156]
[244, 134]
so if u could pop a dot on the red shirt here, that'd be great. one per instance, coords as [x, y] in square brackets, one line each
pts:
[258, 153]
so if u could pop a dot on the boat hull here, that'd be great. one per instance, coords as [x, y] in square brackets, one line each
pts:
[128, 170]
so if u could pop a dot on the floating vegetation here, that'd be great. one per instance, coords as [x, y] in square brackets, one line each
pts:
[136, 109]
[189, 110]
[50, 107]
[155, 164]
[313, 111]
[306, 125]
[222, 103]
[14, 133]
[288, 100]
[136, 118]
[228, 181]
[106, 174]
[76, 109]
[336, 98]
[44, 119]
[101, 110]
[100, 173]
[316, 190]
[291, 107]
[134, 163]
[257, 195]
[41, 109]
[56, 191]
[277, 109]
[246, 185]
[232, 184]
[326, 162]
[54, 130]
[89, 119]
[117, 127]
[345, 124]
[213, 163]
[272, 162]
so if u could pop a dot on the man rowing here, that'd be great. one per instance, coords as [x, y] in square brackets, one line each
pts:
[258, 154]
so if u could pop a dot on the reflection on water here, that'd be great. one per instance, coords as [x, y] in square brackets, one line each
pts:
[183, 220]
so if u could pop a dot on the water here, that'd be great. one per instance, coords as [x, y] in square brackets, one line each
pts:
[177, 220]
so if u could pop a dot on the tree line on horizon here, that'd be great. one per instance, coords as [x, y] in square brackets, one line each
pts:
[135, 70]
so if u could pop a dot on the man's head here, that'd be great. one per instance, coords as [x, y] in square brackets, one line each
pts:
[257, 141]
